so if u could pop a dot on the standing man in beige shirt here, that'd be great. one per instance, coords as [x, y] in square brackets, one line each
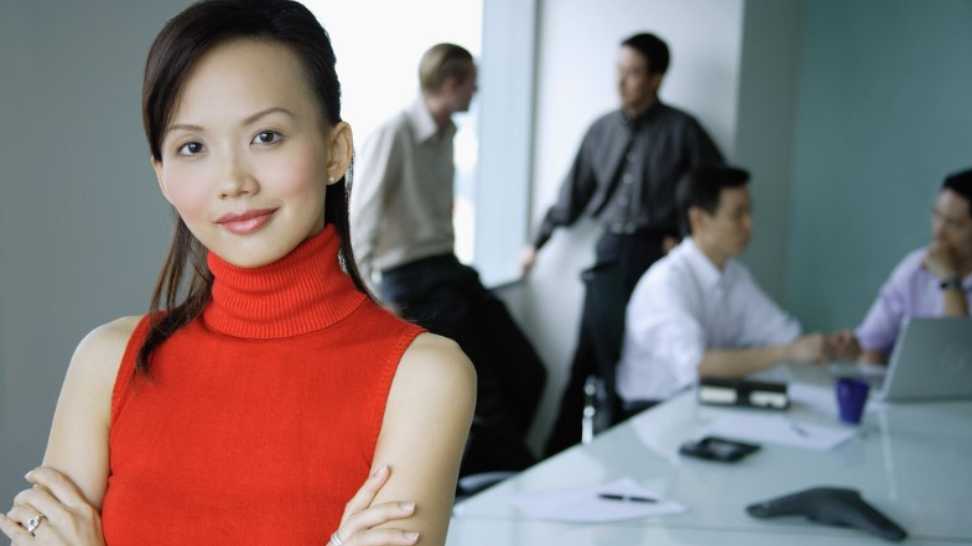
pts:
[401, 207]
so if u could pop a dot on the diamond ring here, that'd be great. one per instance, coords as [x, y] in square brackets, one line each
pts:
[34, 522]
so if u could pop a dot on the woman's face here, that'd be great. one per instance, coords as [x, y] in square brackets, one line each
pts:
[248, 153]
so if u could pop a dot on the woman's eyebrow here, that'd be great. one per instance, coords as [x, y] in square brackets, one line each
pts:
[181, 126]
[249, 120]
[271, 110]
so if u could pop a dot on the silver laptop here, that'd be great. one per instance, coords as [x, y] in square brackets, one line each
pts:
[931, 360]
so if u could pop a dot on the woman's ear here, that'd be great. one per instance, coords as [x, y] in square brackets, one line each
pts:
[157, 167]
[340, 149]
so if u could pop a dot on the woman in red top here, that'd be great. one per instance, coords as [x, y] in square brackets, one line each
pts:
[250, 407]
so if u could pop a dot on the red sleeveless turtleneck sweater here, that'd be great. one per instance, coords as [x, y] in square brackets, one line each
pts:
[257, 421]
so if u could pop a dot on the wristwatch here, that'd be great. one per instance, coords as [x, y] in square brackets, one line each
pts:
[954, 283]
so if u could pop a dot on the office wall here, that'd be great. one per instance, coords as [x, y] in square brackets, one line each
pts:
[578, 42]
[884, 113]
[82, 227]
[765, 125]
[503, 169]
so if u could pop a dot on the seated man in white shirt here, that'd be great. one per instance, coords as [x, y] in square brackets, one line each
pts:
[698, 311]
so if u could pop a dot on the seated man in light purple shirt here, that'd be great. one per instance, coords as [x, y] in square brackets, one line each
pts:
[933, 281]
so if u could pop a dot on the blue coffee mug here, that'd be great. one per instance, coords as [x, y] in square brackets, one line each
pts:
[851, 398]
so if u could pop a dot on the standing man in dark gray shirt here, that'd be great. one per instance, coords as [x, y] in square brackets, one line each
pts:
[624, 175]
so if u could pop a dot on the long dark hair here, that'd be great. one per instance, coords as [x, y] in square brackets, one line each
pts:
[180, 44]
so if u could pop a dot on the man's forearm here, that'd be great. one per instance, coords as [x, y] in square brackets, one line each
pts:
[545, 231]
[955, 303]
[872, 357]
[739, 362]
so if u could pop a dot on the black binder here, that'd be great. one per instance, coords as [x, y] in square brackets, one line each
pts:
[742, 392]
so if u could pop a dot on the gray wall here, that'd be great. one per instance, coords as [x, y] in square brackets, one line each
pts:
[768, 80]
[82, 225]
[885, 111]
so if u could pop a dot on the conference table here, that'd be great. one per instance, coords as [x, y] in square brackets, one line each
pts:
[911, 461]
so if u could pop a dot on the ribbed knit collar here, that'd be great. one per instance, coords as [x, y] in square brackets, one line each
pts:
[304, 291]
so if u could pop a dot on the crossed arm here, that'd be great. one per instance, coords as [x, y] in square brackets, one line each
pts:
[427, 419]
[433, 389]
[68, 489]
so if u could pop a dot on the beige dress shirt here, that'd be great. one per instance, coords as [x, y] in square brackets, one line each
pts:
[402, 192]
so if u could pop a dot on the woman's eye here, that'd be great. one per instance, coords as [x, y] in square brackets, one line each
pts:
[190, 148]
[267, 137]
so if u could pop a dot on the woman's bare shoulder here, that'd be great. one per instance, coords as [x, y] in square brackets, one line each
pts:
[436, 362]
[100, 352]
[118, 329]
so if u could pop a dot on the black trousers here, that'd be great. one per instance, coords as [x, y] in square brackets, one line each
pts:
[448, 299]
[620, 260]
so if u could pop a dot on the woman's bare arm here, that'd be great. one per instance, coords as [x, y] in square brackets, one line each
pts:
[78, 441]
[427, 419]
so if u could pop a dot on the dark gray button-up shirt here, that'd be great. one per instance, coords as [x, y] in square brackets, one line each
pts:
[626, 171]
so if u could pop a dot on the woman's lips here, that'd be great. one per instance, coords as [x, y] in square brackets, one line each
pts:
[247, 222]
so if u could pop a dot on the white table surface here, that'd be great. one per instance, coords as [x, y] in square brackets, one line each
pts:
[911, 461]
[475, 531]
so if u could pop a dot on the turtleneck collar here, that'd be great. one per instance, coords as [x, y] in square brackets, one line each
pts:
[304, 291]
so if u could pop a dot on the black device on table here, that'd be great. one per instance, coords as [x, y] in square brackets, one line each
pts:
[837, 506]
[716, 448]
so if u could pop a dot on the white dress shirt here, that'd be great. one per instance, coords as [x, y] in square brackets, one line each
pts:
[402, 192]
[683, 306]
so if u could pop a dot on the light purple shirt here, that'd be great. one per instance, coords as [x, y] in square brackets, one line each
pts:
[910, 291]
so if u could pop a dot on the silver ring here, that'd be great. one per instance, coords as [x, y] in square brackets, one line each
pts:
[336, 539]
[35, 522]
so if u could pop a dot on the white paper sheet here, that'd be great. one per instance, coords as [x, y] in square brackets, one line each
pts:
[584, 506]
[779, 429]
[819, 399]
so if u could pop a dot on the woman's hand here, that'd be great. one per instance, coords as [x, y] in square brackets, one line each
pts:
[52, 513]
[358, 523]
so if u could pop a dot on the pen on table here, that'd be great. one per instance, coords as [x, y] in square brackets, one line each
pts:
[798, 429]
[625, 498]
